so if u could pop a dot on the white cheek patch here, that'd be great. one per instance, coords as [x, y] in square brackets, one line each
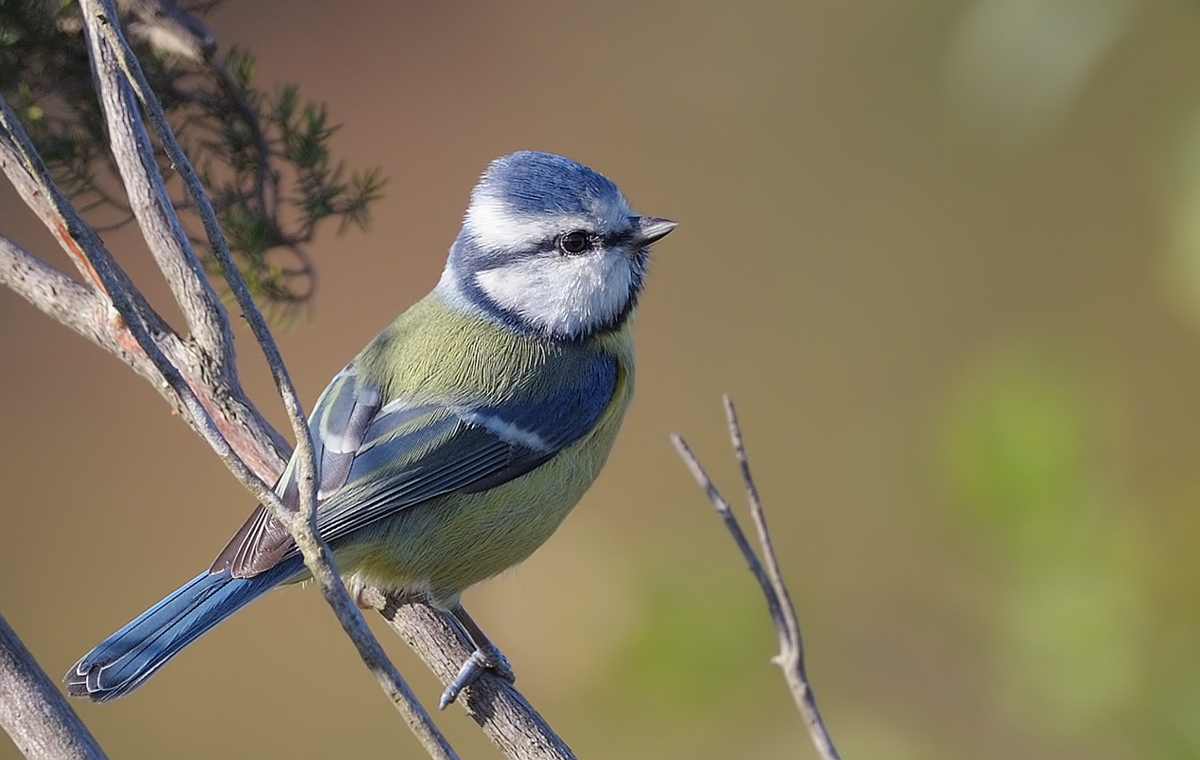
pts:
[562, 295]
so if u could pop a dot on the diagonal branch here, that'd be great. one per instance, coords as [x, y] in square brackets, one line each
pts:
[95, 11]
[238, 420]
[148, 198]
[70, 303]
[783, 615]
[165, 236]
[26, 692]
[502, 712]
[21, 163]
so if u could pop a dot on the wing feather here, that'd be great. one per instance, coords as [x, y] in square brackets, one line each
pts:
[378, 458]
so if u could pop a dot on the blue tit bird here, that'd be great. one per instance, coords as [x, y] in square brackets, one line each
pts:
[458, 440]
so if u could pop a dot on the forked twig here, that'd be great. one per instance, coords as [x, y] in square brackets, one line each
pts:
[783, 615]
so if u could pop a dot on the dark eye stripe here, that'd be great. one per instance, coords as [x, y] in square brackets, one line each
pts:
[617, 239]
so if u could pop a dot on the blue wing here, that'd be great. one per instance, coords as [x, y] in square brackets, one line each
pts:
[375, 458]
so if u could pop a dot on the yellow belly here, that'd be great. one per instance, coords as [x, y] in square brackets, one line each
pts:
[442, 546]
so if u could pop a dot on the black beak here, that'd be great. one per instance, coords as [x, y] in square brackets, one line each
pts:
[651, 229]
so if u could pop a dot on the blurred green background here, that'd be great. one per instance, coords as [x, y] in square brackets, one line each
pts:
[945, 256]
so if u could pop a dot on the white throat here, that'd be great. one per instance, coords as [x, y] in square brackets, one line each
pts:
[565, 296]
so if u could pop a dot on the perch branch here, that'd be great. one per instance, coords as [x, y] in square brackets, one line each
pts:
[502, 712]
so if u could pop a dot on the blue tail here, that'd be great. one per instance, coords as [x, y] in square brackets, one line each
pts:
[134, 653]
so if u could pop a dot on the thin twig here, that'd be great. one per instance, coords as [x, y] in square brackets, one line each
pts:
[106, 39]
[783, 614]
[784, 600]
[34, 713]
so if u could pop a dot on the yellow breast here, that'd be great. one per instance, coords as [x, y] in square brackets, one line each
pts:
[444, 545]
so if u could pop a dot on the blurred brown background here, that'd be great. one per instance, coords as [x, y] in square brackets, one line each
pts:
[946, 257]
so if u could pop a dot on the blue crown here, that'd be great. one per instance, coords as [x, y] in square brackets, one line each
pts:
[533, 182]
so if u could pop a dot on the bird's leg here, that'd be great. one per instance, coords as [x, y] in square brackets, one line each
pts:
[485, 657]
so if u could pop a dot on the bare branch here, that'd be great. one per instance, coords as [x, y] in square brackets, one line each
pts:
[64, 299]
[236, 417]
[34, 713]
[95, 19]
[23, 167]
[785, 611]
[148, 197]
[501, 711]
[134, 319]
[107, 43]
[783, 615]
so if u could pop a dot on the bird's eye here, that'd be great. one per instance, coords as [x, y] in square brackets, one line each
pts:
[574, 242]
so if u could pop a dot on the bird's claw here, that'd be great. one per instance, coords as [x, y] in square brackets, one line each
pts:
[476, 664]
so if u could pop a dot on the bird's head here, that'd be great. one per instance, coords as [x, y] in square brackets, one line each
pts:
[550, 247]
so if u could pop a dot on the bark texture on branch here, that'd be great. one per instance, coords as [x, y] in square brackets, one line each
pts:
[34, 713]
